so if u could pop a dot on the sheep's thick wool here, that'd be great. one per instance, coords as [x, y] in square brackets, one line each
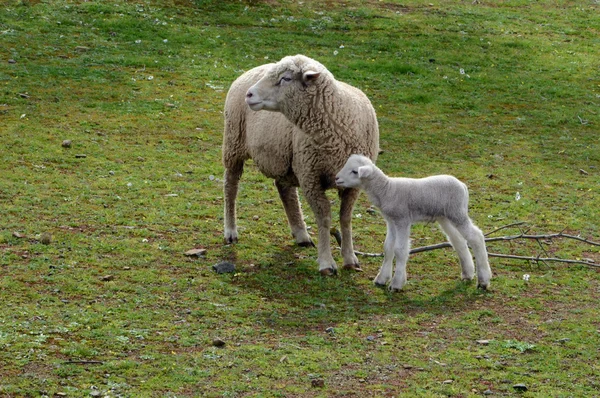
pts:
[299, 125]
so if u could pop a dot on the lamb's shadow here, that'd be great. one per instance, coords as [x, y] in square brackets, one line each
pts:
[311, 300]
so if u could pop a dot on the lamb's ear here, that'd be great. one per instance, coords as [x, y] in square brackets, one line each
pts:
[364, 171]
[310, 76]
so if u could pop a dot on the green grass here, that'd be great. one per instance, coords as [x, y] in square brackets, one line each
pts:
[504, 95]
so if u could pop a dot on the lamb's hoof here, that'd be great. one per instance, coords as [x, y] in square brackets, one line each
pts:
[354, 267]
[381, 285]
[482, 287]
[328, 272]
[395, 290]
[306, 244]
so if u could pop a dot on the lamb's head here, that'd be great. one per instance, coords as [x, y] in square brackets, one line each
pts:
[357, 168]
[284, 82]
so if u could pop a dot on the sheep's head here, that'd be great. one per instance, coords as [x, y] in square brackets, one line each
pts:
[280, 85]
[357, 167]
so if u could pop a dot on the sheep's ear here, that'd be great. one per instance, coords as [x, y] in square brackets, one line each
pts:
[364, 171]
[310, 76]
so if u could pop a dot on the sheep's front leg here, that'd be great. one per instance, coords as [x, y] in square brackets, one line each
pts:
[230, 188]
[385, 272]
[348, 198]
[322, 210]
[291, 205]
[401, 250]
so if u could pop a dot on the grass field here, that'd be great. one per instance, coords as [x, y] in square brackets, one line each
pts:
[98, 299]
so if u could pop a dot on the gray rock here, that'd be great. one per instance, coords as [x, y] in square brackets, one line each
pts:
[195, 253]
[224, 267]
[520, 387]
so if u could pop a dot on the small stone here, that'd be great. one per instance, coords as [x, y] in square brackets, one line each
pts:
[81, 156]
[107, 278]
[224, 267]
[407, 366]
[317, 383]
[330, 330]
[126, 268]
[82, 48]
[564, 340]
[483, 342]
[449, 381]
[95, 393]
[46, 238]
[370, 338]
[12, 61]
[218, 342]
[18, 235]
[488, 392]
[195, 253]
[66, 144]
[520, 387]
[255, 218]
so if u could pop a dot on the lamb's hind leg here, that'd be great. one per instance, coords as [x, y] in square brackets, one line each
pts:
[230, 188]
[348, 197]
[460, 245]
[476, 240]
[291, 205]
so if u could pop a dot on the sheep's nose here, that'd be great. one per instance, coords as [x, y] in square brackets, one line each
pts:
[248, 94]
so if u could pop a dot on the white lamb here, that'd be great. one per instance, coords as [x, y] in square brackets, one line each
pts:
[405, 201]
[316, 123]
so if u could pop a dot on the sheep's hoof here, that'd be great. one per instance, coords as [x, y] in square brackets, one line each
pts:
[306, 244]
[328, 271]
[230, 240]
[354, 267]
[482, 287]
[381, 285]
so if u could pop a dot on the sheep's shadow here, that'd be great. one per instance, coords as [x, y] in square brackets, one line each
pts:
[312, 300]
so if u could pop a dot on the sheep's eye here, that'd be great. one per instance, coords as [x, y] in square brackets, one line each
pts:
[285, 79]
[354, 171]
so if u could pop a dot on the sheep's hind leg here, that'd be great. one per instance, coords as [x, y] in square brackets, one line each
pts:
[401, 250]
[476, 240]
[348, 198]
[321, 208]
[291, 205]
[385, 272]
[460, 245]
[230, 188]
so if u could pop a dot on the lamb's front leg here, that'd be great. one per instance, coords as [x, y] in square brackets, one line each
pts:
[348, 198]
[322, 210]
[401, 250]
[385, 272]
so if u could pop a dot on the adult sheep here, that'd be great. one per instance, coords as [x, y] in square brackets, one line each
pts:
[315, 124]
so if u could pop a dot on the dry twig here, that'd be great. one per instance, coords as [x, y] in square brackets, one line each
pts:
[523, 235]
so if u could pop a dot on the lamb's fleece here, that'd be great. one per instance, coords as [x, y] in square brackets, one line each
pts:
[404, 201]
[315, 124]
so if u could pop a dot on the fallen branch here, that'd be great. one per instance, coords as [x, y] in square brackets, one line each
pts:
[522, 235]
